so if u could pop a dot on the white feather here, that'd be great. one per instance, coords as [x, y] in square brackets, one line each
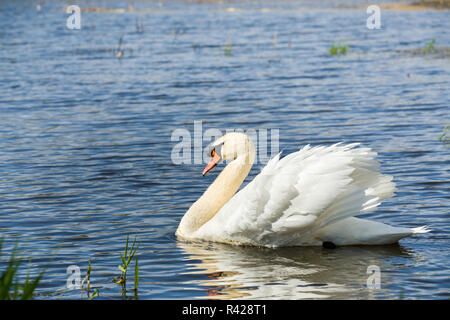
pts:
[308, 197]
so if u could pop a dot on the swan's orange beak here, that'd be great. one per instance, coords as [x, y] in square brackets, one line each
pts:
[212, 162]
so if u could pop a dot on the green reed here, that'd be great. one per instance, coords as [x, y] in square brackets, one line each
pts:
[429, 47]
[9, 284]
[126, 259]
[87, 278]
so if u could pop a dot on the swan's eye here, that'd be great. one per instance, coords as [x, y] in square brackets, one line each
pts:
[213, 152]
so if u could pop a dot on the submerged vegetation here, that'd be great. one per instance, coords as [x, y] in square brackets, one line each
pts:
[126, 259]
[429, 47]
[9, 283]
[338, 49]
[87, 278]
[228, 49]
[444, 137]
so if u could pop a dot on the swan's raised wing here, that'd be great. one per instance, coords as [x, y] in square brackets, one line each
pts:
[295, 196]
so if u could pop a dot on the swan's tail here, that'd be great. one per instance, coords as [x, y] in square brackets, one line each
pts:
[422, 229]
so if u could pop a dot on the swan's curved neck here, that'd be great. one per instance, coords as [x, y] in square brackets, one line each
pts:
[217, 194]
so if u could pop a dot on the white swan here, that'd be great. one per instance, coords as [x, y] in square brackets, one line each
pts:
[307, 198]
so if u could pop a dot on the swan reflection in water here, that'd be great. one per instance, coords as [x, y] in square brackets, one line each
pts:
[240, 272]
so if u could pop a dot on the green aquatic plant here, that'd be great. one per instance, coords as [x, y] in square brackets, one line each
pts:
[87, 278]
[9, 285]
[126, 259]
[429, 47]
[338, 49]
[228, 49]
[444, 135]
[401, 295]
[136, 274]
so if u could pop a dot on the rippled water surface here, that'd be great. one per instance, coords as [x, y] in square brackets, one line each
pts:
[85, 139]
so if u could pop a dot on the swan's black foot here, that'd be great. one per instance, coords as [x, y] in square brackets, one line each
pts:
[328, 245]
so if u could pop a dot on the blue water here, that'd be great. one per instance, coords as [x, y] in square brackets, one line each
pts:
[85, 140]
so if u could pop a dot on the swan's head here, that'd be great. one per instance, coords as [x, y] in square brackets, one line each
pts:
[231, 146]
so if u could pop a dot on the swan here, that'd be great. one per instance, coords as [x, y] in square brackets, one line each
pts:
[307, 198]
